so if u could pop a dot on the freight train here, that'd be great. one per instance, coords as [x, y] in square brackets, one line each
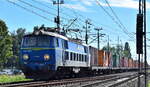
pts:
[45, 55]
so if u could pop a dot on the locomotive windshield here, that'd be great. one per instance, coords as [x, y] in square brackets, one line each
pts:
[37, 41]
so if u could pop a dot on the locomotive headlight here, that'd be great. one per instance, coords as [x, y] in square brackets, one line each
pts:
[46, 57]
[25, 56]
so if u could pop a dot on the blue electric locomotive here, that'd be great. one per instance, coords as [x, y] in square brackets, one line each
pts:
[45, 55]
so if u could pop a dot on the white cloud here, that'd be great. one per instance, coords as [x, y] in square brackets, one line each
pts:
[114, 3]
[134, 4]
[124, 3]
[13, 0]
[87, 2]
[81, 5]
[48, 1]
[76, 7]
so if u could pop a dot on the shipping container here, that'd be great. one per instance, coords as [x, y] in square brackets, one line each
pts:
[124, 62]
[118, 61]
[105, 64]
[101, 55]
[135, 63]
[130, 62]
[107, 59]
[115, 60]
[142, 65]
[110, 60]
[94, 56]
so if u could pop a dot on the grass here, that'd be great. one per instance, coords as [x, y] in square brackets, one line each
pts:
[149, 83]
[12, 78]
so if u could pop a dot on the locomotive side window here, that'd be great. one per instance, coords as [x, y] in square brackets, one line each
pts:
[71, 56]
[66, 55]
[85, 58]
[66, 44]
[85, 49]
[77, 57]
[80, 57]
[74, 56]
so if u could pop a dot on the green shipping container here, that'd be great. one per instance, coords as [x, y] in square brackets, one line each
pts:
[115, 60]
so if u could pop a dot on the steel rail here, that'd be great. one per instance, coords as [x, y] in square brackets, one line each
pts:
[72, 81]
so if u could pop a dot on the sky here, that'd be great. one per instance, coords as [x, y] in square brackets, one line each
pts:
[38, 12]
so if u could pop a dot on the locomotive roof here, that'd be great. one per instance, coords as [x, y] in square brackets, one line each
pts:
[42, 32]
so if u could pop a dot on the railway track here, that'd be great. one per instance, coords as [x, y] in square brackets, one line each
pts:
[14, 84]
[74, 82]
[111, 82]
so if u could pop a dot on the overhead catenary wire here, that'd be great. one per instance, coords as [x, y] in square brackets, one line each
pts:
[77, 14]
[31, 11]
[40, 3]
[37, 7]
[97, 1]
[34, 12]
[45, 5]
[90, 19]
[40, 14]
[47, 12]
[119, 21]
[42, 9]
[74, 12]
[125, 29]
[126, 32]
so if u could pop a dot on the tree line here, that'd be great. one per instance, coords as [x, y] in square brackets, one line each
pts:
[9, 46]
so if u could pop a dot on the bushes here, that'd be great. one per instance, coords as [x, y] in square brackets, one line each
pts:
[12, 78]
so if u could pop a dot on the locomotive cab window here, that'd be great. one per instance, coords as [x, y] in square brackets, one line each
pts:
[43, 41]
[37, 41]
[29, 41]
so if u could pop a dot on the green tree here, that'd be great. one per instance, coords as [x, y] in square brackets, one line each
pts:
[36, 28]
[5, 44]
[17, 39]
[127, 50]
[119, 50]
[110, 49]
